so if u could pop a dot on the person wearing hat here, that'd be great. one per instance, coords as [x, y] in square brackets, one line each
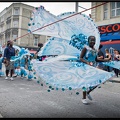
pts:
[8, 53]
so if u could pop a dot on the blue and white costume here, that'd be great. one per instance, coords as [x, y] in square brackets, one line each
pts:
[23, 72]
[23, 61]
[30, 73]
[17, 63]
[1, 72]
[91, 55]
[69, 37]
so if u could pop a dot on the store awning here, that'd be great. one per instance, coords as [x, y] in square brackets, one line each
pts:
[110, 36]
[111, 42]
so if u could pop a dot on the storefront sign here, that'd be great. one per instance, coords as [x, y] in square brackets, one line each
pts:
[109, 28]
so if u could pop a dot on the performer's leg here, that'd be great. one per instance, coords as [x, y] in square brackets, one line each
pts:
[108, 68]
[88, 92]
[84, 101]
[7, 72]
[91, 89]
[116, 71]
[84, 94]
[11, 72]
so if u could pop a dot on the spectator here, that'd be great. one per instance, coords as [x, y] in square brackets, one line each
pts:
[100, 56]
[9, 52]
[117, 55]
[116, 58]
[40, 45]
[108, 56]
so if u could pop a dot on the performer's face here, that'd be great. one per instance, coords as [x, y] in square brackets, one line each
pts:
[92, 41]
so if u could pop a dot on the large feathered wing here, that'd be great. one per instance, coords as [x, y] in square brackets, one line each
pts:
[68, 39]
[113, 64]
[66, 74]
[44, 23]
[58, 46]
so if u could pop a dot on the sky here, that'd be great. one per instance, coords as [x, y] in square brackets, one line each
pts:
[55, 8]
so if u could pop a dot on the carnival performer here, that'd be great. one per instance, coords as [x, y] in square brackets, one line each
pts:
[88, 56]
[30, 73]
[23, 72]
[23, 61]
[9, 52]
[67, 71]
[17, 65]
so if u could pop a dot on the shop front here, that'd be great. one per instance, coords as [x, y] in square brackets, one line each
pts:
[110, 36]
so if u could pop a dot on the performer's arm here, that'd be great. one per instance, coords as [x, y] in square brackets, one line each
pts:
[83, 52]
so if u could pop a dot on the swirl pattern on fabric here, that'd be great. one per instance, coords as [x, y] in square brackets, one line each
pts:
[113, 64]
[65, 74]
[65, 29]
[57, 46]
[69, 36]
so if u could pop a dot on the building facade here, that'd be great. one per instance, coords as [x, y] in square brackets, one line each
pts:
[107, 18]
[14, 24]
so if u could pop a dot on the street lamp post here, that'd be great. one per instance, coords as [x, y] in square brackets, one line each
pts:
[76, 6]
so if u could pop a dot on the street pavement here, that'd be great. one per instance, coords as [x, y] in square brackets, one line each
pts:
[22, 98]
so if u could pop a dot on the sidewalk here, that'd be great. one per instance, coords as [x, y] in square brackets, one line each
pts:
[115, 79]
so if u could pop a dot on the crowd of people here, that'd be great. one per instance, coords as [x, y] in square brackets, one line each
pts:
[88, 55]
[95, 60]
[115, 56]
[14, 67]
[20, 67]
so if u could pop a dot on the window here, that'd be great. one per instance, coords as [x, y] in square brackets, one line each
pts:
[2, 18]
[8, 25]
[105, 9]
[15, 23]
[16, 11]
[14, 37]
[15, 34]
[115, 9]
[2, 29]
[8, 37]
[36, 41]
